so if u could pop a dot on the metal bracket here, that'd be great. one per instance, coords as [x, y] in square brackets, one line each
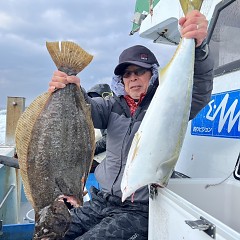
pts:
[203, 225]
[153, 191]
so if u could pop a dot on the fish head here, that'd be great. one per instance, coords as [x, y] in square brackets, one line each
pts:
[52, 222]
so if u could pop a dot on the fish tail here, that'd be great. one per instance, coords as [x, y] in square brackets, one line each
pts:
[68, 56]
[189, 5]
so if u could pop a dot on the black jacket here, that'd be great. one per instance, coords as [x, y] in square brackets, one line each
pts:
[113, 114]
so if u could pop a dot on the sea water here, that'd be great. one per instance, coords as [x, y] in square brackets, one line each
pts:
[2, 126]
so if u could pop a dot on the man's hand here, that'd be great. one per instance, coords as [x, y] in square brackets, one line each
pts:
[60, 80]
[194, 25]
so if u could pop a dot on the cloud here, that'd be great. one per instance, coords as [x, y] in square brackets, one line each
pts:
[5, 20]
[100, 27]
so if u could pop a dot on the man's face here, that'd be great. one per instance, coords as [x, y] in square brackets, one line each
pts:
[136, 80]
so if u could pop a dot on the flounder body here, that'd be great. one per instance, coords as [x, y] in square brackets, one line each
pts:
[55, 145]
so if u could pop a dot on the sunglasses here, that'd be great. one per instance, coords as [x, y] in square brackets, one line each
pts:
[138, 72]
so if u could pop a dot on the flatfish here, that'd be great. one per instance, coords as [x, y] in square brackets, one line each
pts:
[55, 145]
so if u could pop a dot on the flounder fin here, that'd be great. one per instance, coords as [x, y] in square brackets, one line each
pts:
[23, 136]
[68, 56]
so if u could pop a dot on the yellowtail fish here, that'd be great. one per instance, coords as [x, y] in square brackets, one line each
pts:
[157, 144]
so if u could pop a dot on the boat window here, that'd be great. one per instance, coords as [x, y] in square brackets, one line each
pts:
[225, 37]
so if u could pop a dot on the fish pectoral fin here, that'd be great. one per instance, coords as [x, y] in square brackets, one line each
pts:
[66, 194]
[165, 170]
[62, 185]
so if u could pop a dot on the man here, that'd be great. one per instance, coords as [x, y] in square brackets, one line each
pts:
[134, 84]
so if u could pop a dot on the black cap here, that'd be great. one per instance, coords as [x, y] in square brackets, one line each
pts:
[137, 55]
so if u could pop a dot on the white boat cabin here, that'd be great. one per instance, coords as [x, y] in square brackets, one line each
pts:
[202, 201]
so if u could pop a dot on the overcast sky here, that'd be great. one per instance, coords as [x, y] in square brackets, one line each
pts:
[100, 27]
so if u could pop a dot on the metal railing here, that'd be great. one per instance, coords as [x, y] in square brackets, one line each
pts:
[6, 195]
